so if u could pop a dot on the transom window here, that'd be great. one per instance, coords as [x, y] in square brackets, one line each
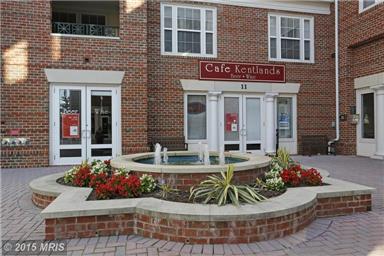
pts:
[291, 38]
[189, 31]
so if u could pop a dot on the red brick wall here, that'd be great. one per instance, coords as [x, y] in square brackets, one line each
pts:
[361, 50]
[242, 36]
[204, 232]
[25, 101]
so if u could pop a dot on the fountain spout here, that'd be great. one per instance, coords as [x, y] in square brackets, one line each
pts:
[201, 154]
[165, 155]
[157, 154]
[221, 156]
[206, 156]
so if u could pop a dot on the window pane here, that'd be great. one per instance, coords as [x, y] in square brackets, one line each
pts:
[209, 20]
[188, 18]
[168, 17]
[307, 50]
[284, 117]
[290, 27]
[231, 117]
[188, 42]
[101, 117]
[273, 47]
[253, 119]
[209, 43]
[272, 25]
[367, 3]
[168, 40]
[70, 116]
[307, 29]
[368, 116]
[290, 49]
[197, 117]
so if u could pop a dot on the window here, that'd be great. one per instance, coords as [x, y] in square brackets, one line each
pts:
[64, 17]
[189, 31]
[367, 4]
[196, 117]
[368, 116]
[291, 38]
[284, 117]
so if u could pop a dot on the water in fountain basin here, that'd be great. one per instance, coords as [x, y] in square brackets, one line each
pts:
[165, 155]
[206, 156]
[221, 156]
[157, 159]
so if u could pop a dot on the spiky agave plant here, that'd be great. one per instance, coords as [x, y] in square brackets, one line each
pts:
[220, 190]
[282, 158]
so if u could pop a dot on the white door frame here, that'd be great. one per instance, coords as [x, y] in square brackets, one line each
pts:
[242, 122]
[364, 146]
[54, 131]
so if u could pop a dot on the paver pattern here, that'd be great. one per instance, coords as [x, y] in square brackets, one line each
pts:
[358, 234]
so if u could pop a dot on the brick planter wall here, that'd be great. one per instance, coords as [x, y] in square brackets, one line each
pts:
[42, 201]
[185, 181]
[204, 232]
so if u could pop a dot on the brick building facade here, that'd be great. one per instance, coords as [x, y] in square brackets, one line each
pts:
[121, 61]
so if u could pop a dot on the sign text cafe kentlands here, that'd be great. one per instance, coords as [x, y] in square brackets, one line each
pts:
[233, 71]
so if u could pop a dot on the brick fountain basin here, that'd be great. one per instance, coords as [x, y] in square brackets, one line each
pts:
[182, 176]
[68, 213]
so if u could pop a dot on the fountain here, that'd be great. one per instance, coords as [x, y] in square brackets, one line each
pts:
[206, 156]
[221, 156]
[201, 152]
[165, 155]
[157, 159]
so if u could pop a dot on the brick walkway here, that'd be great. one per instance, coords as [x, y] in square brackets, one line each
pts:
[359, 234]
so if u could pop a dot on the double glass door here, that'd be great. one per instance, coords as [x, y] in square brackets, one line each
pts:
[242, 119]
[84, 123]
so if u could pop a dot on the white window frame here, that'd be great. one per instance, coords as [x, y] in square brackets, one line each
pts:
[362, 9]
[202, 31]
[187, 140]
[302, 40]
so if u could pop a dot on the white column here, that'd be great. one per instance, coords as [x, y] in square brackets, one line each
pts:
[213, 121]
[270, 130]
[379, 120]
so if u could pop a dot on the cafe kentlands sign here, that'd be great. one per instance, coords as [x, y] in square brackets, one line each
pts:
[233, 71]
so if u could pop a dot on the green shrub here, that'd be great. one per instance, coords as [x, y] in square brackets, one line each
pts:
[220, 190]
[282, 160]
[166, 190]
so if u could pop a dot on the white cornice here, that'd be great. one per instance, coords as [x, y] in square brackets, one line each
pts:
[374, 80]
[84, 76]
[308, 6]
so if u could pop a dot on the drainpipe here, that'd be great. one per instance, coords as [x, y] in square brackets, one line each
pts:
[336, 75]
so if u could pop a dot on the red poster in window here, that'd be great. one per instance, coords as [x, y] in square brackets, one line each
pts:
[70, 125]
[231, 122]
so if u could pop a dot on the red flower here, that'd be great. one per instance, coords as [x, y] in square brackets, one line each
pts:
[97, 179]
[83, 176]
[291, 176]
[311, 177]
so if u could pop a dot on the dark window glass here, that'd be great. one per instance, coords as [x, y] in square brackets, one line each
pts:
[197, 117]
[64, 17]
[101, 152]
[70, 152]
[367, 3]
[93, 19]
[231, 147]
[284, 117]
[368, 116]
[253, 146]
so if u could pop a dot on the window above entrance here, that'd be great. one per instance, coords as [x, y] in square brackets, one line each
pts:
[188, 31]
[291, 38]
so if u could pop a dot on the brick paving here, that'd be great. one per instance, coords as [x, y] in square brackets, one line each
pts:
[359, 234]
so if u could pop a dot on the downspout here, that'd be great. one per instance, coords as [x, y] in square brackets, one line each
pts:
[336, 75]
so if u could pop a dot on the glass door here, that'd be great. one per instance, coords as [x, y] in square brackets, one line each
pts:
[232, 123]
[251, 131]
[101, 123]
[84, 124]
[69, 125]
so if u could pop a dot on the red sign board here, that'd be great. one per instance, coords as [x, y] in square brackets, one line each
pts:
[70, 126]
[232, 71]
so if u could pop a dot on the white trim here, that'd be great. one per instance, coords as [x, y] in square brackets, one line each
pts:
[202, 30]
[84, 76]
[86, 36]
[316, 7]
[233, 86]
[278, 38]
[369, 81]
[361, 9]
